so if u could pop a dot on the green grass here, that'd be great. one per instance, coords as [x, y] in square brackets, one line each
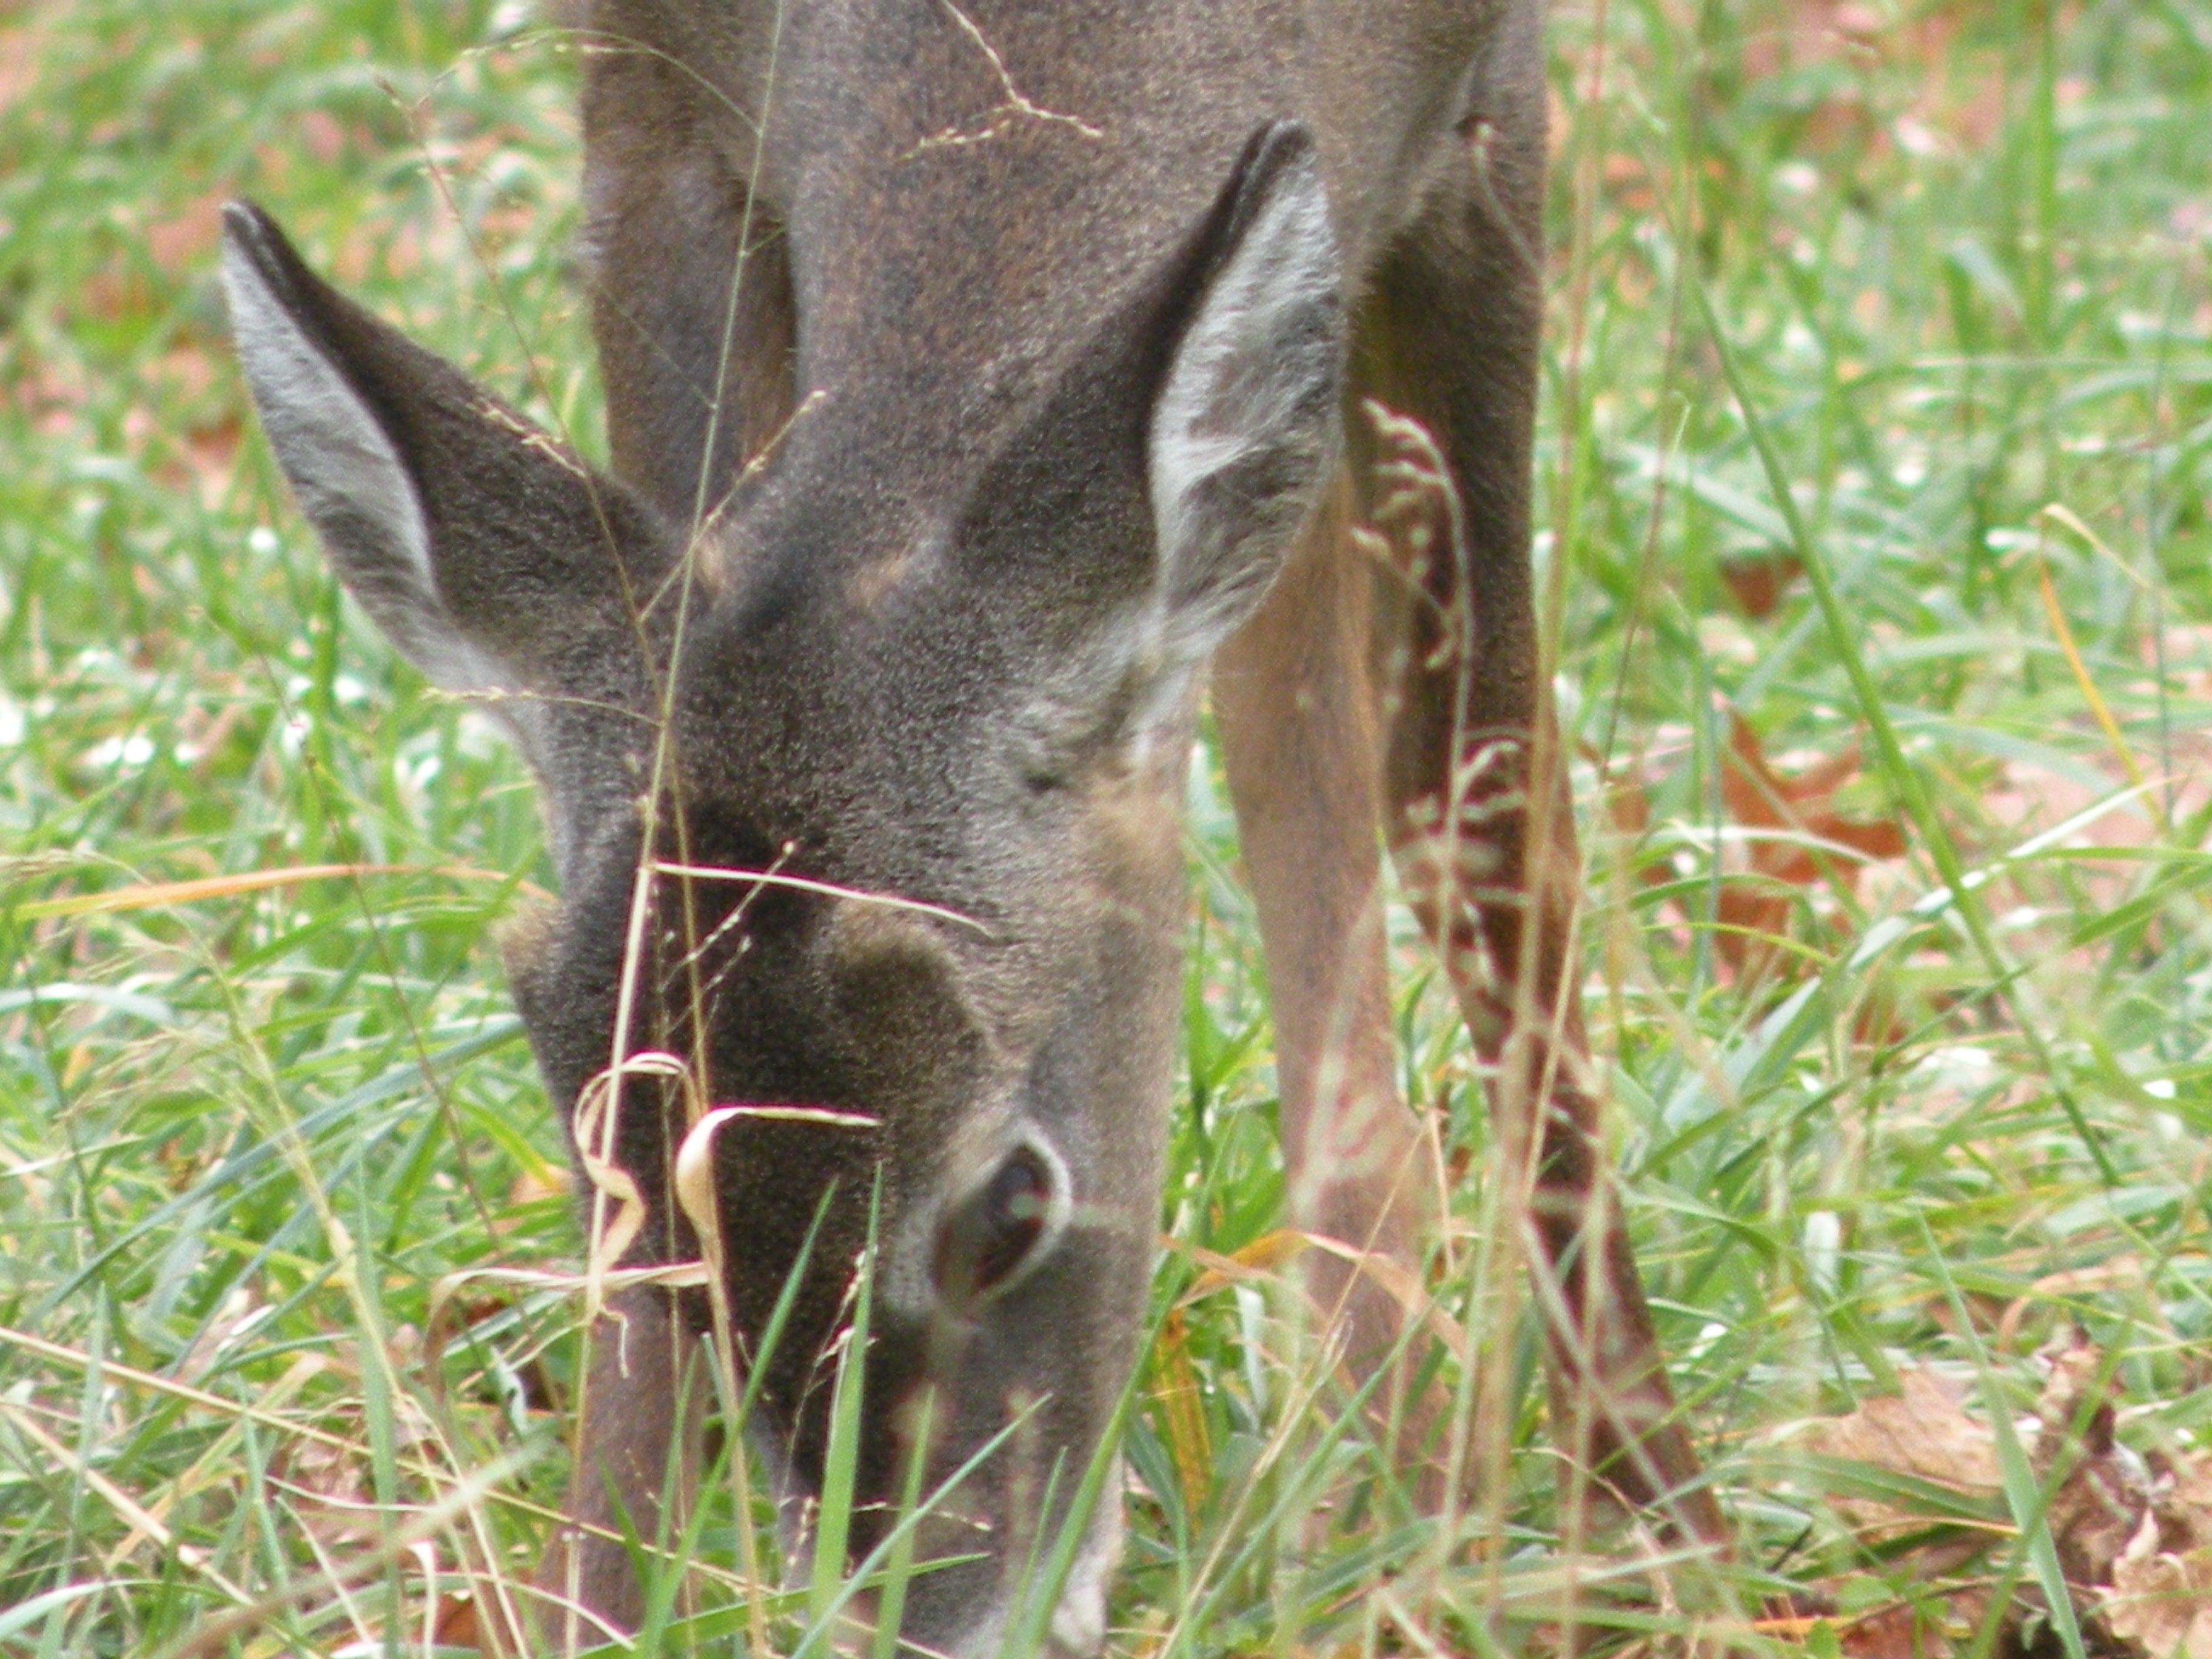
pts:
[246, 1140]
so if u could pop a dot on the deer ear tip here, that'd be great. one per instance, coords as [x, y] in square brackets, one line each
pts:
[246, 257]
[1284, 146]
[255, 249]
[1285, 140]
[245, 228]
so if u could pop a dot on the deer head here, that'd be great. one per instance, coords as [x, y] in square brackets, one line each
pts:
[947, 741]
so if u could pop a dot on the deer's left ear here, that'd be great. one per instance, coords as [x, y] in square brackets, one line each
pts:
[496, 559]
[492, 557]
[1246, 424]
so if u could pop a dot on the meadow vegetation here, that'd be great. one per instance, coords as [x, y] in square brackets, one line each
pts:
[1877, 438]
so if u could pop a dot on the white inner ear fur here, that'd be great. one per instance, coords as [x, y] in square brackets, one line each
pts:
[1253, 363]
[349, 479]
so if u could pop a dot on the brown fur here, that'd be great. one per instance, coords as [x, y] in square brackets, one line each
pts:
[944, 654]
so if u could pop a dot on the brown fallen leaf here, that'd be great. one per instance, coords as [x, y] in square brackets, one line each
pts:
[1892, 1627]
[454, 1624]
[2160, 1600]
[1898, 1632]
[2100, 1504]
[1760, 798]
[2137, 1559]
[1924, 1433]
[1808, 841]
[1757, 583]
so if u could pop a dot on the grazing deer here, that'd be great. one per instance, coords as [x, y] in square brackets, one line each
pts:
[981, 376]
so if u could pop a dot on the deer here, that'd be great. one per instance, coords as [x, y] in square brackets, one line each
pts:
[989, 385]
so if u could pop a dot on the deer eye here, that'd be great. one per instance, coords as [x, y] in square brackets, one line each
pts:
[983, 1244]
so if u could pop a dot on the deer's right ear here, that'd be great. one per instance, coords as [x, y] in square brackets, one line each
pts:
[1245, 425]
[493, 558]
